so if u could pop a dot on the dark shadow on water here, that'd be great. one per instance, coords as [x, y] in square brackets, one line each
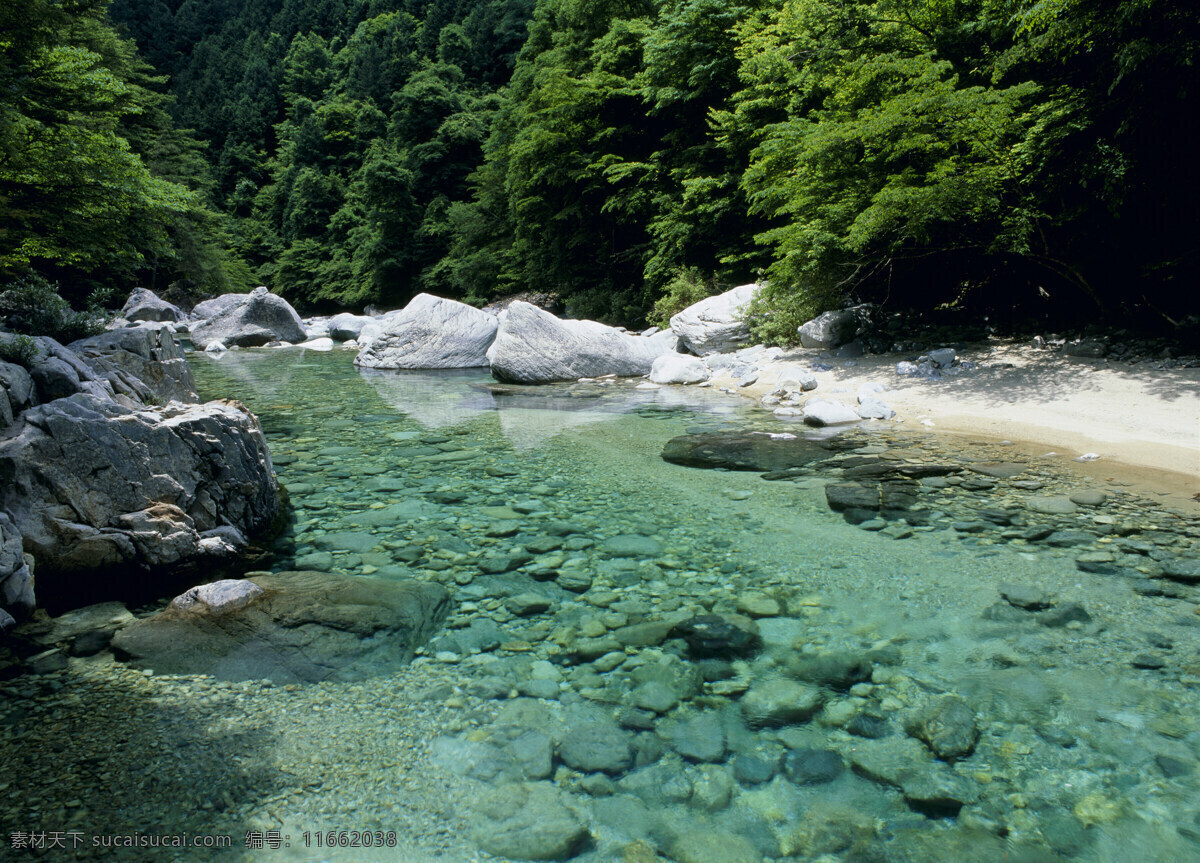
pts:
[113, 753]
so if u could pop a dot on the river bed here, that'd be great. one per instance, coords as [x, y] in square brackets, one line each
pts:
[978, 680]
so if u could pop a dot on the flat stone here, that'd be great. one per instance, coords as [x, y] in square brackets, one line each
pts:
[699, 737]
[1058, 505]
[947, 726]
[527, 821]
[1088, 497]
[631, 545]
[999, 469]
[526, 604]
[597, 746]
[1026, 596]
[813, 766]
[777, 702]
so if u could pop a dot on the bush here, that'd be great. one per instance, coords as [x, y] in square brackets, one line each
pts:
[22, 350]
[32, 305]
[687, 288]
[776, 312]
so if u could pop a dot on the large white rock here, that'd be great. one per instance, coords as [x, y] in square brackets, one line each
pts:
[256, 319]
[431, 333]
[678, 369]
[715, 324]
[533, 346]
[818, 412]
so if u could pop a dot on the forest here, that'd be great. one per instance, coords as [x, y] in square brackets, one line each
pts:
[1018, 159]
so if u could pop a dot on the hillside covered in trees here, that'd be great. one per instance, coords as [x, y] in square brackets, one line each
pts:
[987, 154]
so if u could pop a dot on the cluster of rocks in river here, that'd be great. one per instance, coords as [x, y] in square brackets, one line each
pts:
[110, 465]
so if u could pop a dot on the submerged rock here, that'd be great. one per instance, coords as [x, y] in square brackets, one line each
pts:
[431, 333]
[715, 325]
[528, 821]
[744, 451]
[533, 346]
[288, 627]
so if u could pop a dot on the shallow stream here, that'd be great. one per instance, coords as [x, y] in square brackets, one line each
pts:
[648, 661]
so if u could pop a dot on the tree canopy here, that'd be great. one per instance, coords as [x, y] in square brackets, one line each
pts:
[996, 155]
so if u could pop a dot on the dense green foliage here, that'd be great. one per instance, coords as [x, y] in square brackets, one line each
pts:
[626, 154]
[96, 183]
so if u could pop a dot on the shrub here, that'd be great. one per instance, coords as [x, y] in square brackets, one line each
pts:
[19, 349]
[776, 312]
[32, 305]
[687, 288]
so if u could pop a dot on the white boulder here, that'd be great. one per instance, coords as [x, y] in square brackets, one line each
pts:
[715, 324]
[678, 369]
[430, 333]
[819, 412]
[533, 346]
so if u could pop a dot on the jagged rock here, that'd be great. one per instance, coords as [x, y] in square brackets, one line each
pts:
[829, 329]
[57, 372]
[288, 627]
[715, 325]
[145, 305]
[678, 369]
[533, 346]
[16, 577]
[260, 317]
[16, 392]
[217, 305]
[142, 363]
[93, 485]
[431, 333]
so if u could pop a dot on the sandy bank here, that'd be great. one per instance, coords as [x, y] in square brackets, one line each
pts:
[1138, 420]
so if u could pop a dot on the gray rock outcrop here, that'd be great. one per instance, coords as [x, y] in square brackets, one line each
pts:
[288, 627]
[829, 329]
[258, 318]
[16, 577]
[217, 305]
[92, 484]
[533, 346]
[142, 363]
[431, 333]
[16, 391]
[715, 325]
[145, 305]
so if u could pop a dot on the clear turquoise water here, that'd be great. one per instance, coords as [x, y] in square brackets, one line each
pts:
[1080, 755]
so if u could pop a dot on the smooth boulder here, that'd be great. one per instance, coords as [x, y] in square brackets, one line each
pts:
[344, 327]
[431, 333]
[288, 627]
[145, 305]
[533, 346]
[258, 319]
[675, 368]
[714, 325]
